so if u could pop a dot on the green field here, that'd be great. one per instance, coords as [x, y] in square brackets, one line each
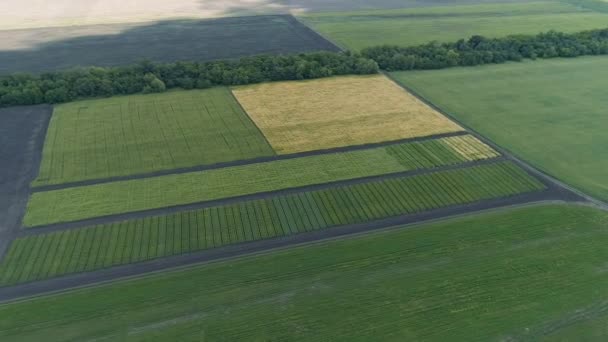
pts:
[357, 30]
[516, 274]
[551, 113]
[144, 133]
[87, 249]
[125, 196]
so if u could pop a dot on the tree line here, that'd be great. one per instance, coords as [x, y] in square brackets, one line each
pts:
[479, 50]
[148, 77]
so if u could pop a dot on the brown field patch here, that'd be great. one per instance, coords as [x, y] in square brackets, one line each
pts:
[298, 116]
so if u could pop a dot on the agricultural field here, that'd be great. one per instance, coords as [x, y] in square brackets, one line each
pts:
[137, 134]
[51, 49]
[82, 202]
[42, 256]
[338, 111]
[413, 26]
[21, 14]
[491, 276]
[550, 113]
[21, 136]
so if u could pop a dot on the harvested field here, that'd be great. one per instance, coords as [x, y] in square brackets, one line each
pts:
[516, 274]
[148, 193]
[310, 115]
[551, 113]
[143, 133]
[47, 255]
[361, 29]
[49, 49]
[21, 135]
[42, 13]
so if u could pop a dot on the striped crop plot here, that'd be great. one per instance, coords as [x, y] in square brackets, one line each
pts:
[318, 114]
[144, 133]
[51, 254]
[83, 202]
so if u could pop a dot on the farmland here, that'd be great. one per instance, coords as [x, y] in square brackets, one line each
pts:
[514, 273]
[144, 133]
[101, 246]
[75, 203]
[338, 111]
[413, 26]
[548, 112]
[48, 49]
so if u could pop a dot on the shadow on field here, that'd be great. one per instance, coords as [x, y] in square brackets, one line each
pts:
[49, 49]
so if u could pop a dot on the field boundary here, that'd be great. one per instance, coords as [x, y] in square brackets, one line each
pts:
[42, 229]
[247, 249]
[242, 162]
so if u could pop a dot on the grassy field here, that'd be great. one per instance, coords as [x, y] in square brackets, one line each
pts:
[337, 111]
[143, 133]
[124, 196]
[549, 112]
[516, 274]
[51, 49]
[357, 30]
[53, 254]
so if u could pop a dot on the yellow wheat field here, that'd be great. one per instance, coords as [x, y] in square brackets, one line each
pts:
[470, 148]
[298, 116]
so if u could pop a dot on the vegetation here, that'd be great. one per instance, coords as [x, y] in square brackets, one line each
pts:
[339, 111]
[514, 274]
[156, 192]
[550, 113]
[143, 133]
[42, 256]
[413, 26]
[148, 77]
[479, 50]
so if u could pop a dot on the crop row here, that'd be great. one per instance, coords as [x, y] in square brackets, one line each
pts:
[47, 255]
[135, 195]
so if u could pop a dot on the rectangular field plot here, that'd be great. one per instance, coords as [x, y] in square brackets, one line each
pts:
[413, 26]
[53, 254]
[50, 49]
[144, 133]
[134, 195]
[310, 115]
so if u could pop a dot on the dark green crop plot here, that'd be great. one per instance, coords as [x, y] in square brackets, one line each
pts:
[525, 274]
[87, 249]
[156, 192]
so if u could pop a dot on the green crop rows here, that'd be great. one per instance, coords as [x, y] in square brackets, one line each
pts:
[134, 195]
[87, 249]
[143, 133]
[522, 274]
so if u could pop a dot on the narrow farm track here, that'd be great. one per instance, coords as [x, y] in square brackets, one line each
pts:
[43, 229]
[68, 282]
[242, 162]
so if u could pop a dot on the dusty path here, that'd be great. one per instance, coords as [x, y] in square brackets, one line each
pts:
[22, 132]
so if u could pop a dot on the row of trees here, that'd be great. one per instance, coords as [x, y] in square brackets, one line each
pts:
[479, 50]
[147, 77]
